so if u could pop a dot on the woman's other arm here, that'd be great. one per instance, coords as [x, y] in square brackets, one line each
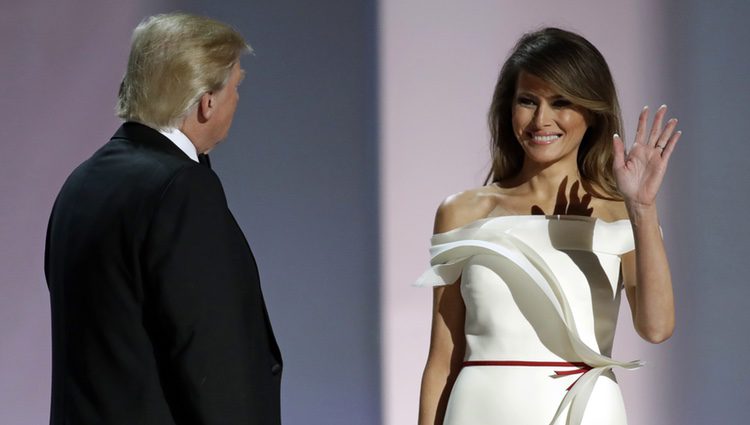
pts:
[447, 340]
[639, 175]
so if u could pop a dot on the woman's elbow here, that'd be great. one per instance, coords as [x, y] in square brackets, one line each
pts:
[656, 334]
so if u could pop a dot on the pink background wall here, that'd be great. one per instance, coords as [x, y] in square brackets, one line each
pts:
[53, 73]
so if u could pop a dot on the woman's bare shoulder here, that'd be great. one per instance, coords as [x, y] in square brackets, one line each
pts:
[465, 207]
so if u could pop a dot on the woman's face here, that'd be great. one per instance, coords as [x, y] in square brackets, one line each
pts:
[548, 126]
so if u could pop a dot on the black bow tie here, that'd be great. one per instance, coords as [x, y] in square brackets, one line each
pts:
[203, 159]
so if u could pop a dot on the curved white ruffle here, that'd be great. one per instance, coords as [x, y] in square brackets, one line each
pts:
[448, 259]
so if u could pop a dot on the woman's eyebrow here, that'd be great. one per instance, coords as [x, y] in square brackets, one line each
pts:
[555, 96]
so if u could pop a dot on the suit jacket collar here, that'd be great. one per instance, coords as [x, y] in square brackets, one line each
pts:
[143, 134]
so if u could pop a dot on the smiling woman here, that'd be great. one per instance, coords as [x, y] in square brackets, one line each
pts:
[572, 72]
[525, 304]
[547, 125]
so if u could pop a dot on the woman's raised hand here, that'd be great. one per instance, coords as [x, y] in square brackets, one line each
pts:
[640, 171]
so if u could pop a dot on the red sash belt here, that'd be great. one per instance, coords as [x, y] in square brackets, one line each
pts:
[581, 367]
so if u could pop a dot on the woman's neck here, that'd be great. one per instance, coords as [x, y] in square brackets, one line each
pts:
[542, 181]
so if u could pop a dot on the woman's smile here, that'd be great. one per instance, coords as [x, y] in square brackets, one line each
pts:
[543, 138]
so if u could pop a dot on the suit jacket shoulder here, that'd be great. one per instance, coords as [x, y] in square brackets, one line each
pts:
[158, 315]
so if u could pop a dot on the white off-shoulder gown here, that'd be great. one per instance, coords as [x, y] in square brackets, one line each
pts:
[542, 294]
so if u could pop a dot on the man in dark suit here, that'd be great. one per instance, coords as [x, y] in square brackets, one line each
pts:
[157, 310]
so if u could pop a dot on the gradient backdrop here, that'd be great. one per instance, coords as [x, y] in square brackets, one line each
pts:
[357, 118]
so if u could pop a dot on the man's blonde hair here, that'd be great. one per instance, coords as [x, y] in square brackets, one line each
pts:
[175, 59]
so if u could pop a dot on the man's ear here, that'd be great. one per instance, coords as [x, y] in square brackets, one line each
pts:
[206, 107]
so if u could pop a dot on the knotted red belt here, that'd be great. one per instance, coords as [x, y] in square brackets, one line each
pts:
[581, 367]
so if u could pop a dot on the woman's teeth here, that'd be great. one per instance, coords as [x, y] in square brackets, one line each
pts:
[544, 139]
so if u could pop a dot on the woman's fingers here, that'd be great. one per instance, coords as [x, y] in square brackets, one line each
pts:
[670, 145]
[666, 135]
[642, 123]
[656, 127]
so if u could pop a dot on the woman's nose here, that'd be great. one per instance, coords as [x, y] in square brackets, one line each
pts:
[541, 116]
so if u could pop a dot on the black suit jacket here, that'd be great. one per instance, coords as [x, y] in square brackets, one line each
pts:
[157, 310]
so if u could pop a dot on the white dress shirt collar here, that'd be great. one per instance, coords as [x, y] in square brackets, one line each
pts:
[181, 140]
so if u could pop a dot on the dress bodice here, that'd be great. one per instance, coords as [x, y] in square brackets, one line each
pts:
[537, 288]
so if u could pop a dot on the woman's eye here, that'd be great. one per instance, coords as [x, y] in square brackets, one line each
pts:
[525, 101]
[562, 103]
